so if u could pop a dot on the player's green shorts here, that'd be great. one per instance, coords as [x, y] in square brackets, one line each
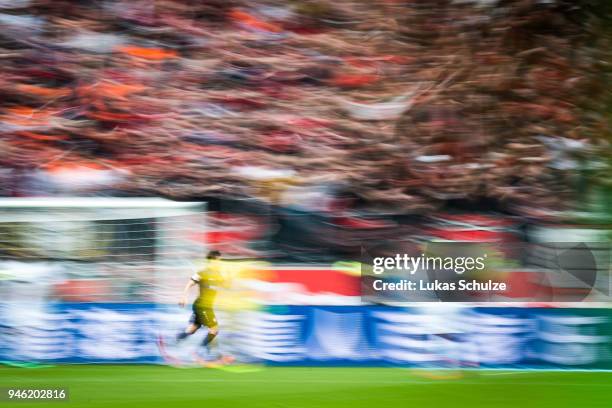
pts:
[203, 316]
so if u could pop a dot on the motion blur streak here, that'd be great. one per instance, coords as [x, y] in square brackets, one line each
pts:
[297, 138]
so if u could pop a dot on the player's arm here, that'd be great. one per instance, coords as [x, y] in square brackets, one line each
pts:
[192, 282]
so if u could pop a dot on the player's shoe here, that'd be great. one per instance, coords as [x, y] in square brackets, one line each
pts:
[163, 352]
[217, 362]
[204, 362]
[227, 359]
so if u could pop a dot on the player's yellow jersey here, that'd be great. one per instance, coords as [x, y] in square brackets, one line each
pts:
[208, 279]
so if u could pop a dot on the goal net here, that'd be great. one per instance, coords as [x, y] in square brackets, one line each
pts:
[98, 249]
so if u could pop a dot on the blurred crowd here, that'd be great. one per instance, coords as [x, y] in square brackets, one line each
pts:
[400, 105]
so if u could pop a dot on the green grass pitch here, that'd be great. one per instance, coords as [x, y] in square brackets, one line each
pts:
[298, 387]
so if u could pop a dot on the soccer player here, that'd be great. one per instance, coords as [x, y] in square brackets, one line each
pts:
[208, 280]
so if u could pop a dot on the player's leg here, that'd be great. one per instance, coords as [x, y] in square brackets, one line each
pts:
[194, 324]
[189, 330]
[213, 360]
[210, 336]
[210, 321]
